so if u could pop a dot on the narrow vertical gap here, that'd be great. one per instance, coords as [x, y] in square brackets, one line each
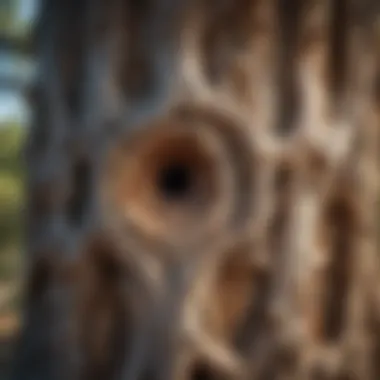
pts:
[283, 185]
[374, 328]
[338, 220]
[81, 192]
[338, 47]
[224, 34]
[258, 324]
[288, 20]
[72, 54]
[136, 72]
[105, 314]
[255, 316]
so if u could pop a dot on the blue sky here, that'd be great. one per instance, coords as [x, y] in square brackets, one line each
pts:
[27, 9]
[13, 107]
[12, 104]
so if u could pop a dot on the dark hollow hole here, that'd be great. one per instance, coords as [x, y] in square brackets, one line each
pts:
[175, 181]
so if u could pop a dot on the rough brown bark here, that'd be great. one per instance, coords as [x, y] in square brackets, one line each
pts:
[203, 183]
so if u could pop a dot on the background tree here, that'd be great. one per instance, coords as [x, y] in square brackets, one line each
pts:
[15, 72]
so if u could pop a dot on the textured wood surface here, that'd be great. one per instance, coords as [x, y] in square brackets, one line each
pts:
[203, 185]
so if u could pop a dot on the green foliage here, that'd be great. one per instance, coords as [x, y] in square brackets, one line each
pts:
[11, 199]
[14, 30]
[7, 13]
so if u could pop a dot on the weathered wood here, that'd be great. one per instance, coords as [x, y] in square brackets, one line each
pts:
[203, 185]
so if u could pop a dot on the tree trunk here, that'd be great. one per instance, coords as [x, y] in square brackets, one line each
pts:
[203, 182]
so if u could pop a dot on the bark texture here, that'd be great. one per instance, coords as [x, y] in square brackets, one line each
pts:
[203, 185]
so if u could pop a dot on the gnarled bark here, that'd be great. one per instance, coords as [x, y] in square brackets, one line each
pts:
[203, 182]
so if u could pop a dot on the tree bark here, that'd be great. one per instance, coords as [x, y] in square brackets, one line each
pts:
[203, 185]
